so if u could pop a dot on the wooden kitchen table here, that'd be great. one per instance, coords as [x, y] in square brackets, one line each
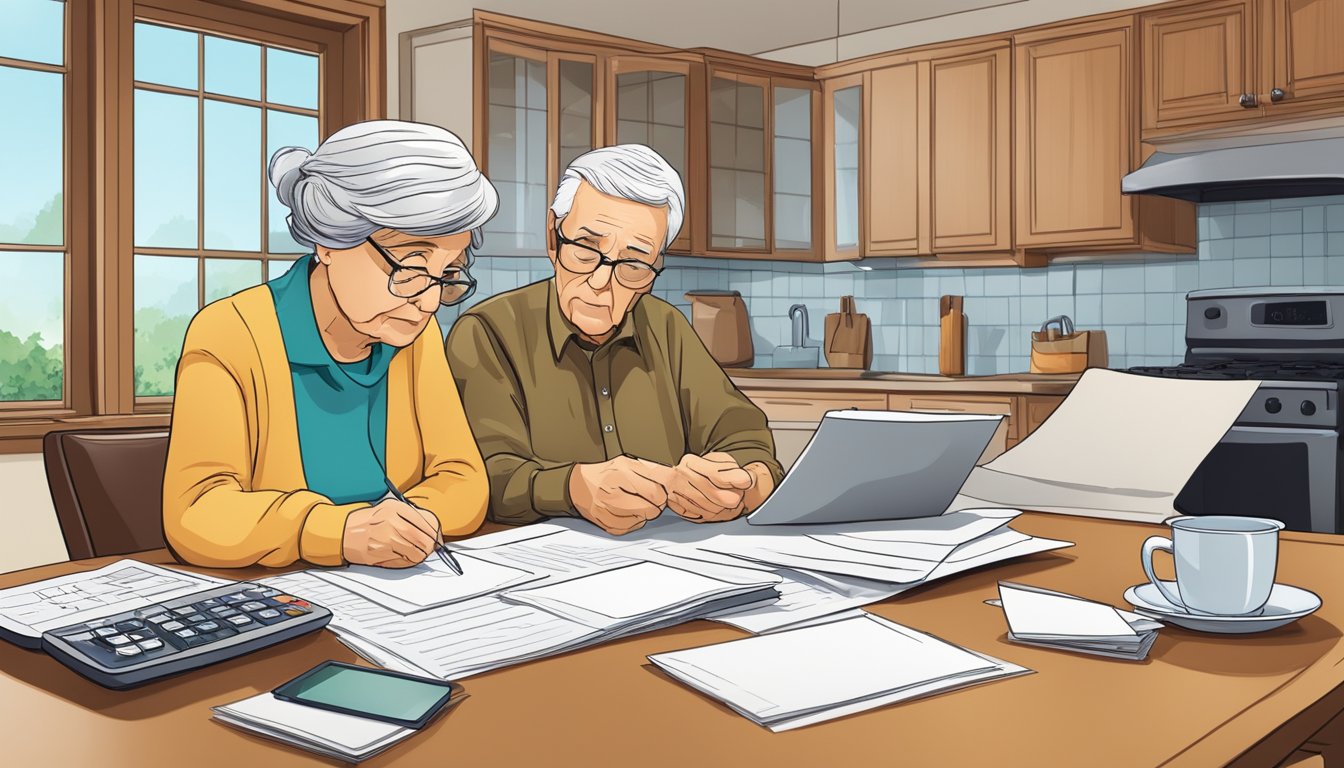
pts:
[1199, 700]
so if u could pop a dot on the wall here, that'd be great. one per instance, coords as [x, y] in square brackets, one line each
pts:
[1139, 301]
[32, 535]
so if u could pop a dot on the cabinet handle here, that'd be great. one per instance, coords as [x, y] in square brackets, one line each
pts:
[1248, 100]
[1277, 95]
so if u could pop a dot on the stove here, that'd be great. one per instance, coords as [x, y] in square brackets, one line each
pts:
[1283, 457]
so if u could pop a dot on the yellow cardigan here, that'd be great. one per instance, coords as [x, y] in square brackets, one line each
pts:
[234, 492]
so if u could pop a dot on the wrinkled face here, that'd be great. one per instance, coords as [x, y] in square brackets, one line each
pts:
[359, 281]
[596, 302]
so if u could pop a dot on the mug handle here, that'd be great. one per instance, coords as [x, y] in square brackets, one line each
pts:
[1152, 545]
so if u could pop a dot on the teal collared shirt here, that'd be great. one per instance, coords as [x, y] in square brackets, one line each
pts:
[341, 407]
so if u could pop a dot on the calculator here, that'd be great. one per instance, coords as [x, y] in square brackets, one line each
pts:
[140, 646]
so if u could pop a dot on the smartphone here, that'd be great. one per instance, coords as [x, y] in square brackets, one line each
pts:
[392, 697]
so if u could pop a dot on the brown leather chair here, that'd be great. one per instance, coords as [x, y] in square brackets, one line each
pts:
[107, 485]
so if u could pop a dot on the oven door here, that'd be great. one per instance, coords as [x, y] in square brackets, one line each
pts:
[1279, 473]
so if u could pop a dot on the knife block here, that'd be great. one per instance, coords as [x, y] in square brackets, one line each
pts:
[952, 336]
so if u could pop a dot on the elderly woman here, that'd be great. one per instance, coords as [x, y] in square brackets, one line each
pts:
[301, 403]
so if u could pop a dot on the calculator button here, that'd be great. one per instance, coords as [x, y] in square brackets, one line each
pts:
[252, 606]
[207, 626]
[208, 603]
[173, 626]
[161, 618]
[301, 603]
[184, 611]
[130, 625]
[128, 650]
[294, 611]
[104, 631]
[269, 613]
[80, 637]
[195, 617]
[139, 635]
[219, 610]
[268, 592]
[185, 632]
[239, 620]
[151, 644]
[226, 613]
[227, 599]
[117, 640]
[284, 598]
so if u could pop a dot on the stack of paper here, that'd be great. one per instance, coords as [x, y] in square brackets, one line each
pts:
[644, 594]
[805, 676]
[427, 585]
[332, 734]
[1051, 619]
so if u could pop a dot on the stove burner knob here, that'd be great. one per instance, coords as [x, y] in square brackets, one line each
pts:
[1308, 408]
[1213, 313]
[1273, 405]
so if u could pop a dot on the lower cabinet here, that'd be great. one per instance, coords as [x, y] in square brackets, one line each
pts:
[795, 415]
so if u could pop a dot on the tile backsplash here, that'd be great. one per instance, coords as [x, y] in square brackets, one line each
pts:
[1139, 300]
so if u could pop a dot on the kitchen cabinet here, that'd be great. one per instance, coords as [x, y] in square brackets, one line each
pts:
[1198, 63]
[1308, 51]
[515, 124]
[896, 170]
[1077, 137]
[970, 111]
[795, 165]
[573, 112]
[1233, 61]
[843, 150]
[654, 102]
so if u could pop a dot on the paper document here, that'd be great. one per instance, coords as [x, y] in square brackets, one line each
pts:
[1050, 619]
[332, 734]
[640, 593]
[28, 610]
[1120, 446]
[878, 465]
[427, 585]
[857, 663]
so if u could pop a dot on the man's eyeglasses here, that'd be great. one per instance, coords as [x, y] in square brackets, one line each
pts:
[455, 286]
[585, 259]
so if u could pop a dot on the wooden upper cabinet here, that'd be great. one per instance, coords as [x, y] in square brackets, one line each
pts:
[1308, 52]
[657, 102]
[971, 143]
[896, 173]
[1198, 61]
[1075, 134]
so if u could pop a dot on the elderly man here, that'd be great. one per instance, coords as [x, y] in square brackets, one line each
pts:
[590, 397]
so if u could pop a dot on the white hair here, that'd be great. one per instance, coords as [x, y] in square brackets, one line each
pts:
[411, 177]
[628, 171]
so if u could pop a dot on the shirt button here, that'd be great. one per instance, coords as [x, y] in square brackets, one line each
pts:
[606, 392]
[607, 428]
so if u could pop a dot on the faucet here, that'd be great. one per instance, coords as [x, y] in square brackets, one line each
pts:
[798, 318]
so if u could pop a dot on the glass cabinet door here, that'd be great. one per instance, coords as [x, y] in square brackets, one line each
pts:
[848, 113]
[575, 107]
[651, 110]
[792, 162]
[737, 164]
[516, 156]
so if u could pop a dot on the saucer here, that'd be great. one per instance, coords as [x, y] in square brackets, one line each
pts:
[1286, 605]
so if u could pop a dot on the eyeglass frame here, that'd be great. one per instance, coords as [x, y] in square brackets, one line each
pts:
[442, 283]
[604, 261]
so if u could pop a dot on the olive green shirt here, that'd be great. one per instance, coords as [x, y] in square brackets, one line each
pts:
[538, 403]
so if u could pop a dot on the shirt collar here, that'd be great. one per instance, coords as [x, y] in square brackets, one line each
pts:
[298, 328]
[561, 332]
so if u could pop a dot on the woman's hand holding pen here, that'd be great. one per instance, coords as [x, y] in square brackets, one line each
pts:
[391, 534]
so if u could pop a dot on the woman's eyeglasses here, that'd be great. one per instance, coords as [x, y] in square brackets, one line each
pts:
[585, 259]
[455, 287]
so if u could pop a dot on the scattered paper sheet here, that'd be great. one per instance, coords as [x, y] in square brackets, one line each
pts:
[28, 610]
[878, 465]
[1119, 446]
[776, 680]
[333, 734]
[1050, 619]
[429, 584]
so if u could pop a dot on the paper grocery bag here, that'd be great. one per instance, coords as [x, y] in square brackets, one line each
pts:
[1066, 350]
[849, 337]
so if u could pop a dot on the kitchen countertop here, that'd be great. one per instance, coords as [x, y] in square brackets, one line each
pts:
[848, 380]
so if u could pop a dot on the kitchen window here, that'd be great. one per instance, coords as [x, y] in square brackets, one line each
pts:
[209, 112]
[138, 194]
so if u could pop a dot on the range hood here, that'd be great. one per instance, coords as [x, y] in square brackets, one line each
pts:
[1302, 160]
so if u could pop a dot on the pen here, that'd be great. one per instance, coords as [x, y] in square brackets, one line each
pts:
[445, 554]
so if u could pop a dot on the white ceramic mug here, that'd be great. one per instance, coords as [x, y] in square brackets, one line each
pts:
[1224, 565]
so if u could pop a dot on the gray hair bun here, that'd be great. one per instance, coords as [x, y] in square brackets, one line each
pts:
[411, 177]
